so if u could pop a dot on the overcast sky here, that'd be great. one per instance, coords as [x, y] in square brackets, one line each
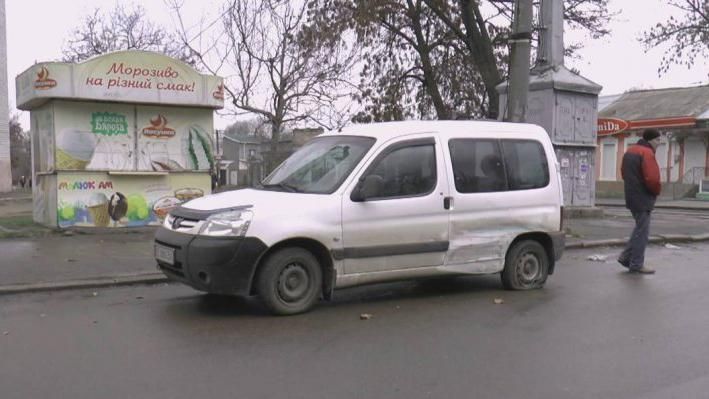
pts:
[37, 30]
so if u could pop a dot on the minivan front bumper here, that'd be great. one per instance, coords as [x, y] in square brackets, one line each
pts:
[211, 264]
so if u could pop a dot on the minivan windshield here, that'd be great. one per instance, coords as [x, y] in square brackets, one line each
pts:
[320, 166]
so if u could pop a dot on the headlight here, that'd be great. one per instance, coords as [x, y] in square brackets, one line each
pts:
[167, 223]
[227, 224]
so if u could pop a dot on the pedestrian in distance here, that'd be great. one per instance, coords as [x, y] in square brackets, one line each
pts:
[641, 177]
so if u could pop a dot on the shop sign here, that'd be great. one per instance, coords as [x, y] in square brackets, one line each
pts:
[123, 76]
[158, 128]
[218, 94]
[43, 81]
[609, 126]
[702, 124]
[108, 123]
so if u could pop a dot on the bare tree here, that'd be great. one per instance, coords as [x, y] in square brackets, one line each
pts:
[485, 35]
[269, 72]
[20, 161]
[688, 36]
[436, 58]
[473, 29]
[249, 127]
[122, 28]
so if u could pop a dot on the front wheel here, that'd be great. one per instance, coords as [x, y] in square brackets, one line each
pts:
[290, 281]
[526, 266]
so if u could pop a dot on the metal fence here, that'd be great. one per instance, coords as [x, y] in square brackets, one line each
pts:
[694, 175]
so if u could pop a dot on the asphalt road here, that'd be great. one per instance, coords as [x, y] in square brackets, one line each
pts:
[593, 332]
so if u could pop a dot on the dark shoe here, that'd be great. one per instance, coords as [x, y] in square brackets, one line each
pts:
[624, 263]
[643, 270]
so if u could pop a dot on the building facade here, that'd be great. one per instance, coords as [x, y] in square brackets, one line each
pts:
[238, 150]
[682, 117]
[245, 157]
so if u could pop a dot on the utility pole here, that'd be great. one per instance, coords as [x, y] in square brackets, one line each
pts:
[564, 103]
[519, 61]
[5, 168]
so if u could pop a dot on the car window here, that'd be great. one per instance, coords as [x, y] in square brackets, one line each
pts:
[526, 164]
[405, 172]
[477, 165]
[320, 166]
[489, 165]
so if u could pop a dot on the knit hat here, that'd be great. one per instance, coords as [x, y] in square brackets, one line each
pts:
[650, 134]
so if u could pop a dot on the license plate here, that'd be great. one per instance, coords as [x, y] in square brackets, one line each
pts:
[165, 254]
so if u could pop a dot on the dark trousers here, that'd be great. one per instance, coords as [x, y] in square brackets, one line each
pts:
[634, 253]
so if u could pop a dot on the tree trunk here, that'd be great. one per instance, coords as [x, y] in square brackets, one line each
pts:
[479, 43]
[442, 111]
[273, 159]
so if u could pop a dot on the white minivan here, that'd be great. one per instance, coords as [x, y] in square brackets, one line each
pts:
[373, 203]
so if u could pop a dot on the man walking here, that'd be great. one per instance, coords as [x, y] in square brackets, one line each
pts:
[642, 186]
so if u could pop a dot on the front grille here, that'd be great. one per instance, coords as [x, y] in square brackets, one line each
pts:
[183, 225]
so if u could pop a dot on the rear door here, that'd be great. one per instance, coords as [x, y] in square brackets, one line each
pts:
[405, 225]
[498, 192]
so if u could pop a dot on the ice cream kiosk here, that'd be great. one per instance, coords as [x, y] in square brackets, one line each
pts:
[118, 140]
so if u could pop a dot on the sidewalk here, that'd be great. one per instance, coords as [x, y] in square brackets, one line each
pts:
[47, 259]
[38, 258]
[17, 194]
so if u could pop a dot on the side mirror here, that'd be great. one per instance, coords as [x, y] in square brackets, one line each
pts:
[369, 187]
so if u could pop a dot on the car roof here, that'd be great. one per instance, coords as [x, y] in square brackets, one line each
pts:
[389, 130]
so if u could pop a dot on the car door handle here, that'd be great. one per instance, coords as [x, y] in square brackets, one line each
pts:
[447, 202]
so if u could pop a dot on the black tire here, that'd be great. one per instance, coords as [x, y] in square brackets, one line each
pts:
[526, 266]
[290, 281]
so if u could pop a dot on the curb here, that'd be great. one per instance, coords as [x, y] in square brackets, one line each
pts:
[129, 279]
[42, 231]
[661, 206]
[157, 278]
[73, 230]
[656, 239]
[12, 199]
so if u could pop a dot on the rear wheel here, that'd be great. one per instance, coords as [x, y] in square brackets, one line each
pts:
[526, 266]
[290, 281]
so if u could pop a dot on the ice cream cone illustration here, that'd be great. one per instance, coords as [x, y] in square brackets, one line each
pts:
[98, 209]
[186, 194]
[117, 207]
[66, 161]
[74, 149]
[164, 205]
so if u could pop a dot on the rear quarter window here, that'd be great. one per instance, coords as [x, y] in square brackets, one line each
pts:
[493, 165]
[526, 164]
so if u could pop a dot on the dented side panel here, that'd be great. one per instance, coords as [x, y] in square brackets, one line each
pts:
[480, 237]
[484, 224]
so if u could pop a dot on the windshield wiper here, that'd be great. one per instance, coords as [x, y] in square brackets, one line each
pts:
[283, 186]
